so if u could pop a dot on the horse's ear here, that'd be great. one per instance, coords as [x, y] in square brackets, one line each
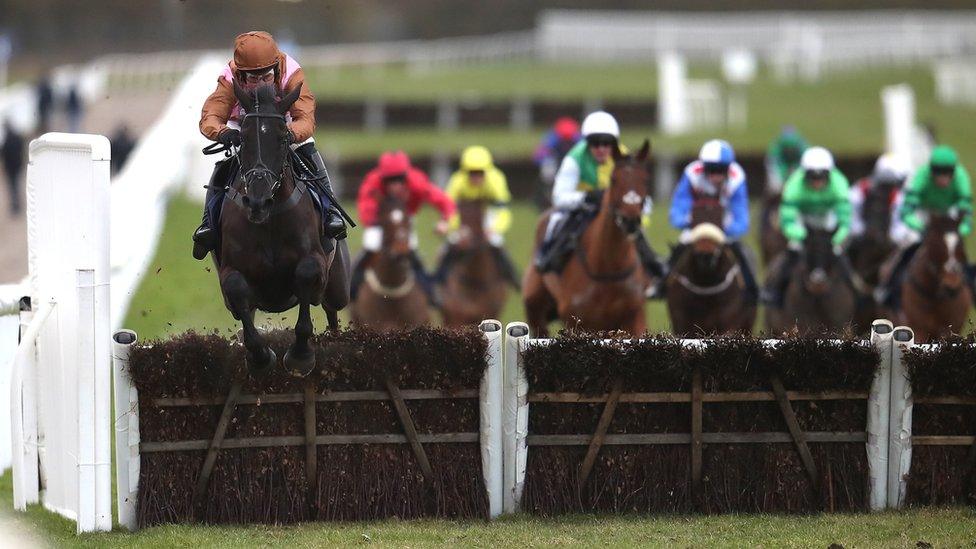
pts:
[245, 99]
[290, 99]
[644, 151]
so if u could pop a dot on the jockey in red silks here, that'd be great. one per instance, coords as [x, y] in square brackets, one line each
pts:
[394, 175]
[258, 61]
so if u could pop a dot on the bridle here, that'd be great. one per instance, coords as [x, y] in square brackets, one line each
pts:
[261, 170]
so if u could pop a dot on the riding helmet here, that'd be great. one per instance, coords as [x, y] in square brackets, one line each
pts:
[601, 123]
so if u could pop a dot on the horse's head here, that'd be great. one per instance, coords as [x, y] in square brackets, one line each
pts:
[877, 212]
[395, 223]
[471, 232]
[264, 148]
[944, 251]
[628, 188]
[819, 260]
[707, 246]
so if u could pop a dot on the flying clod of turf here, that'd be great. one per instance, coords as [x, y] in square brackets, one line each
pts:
[354, 482]
[758, 477]
[942, 475]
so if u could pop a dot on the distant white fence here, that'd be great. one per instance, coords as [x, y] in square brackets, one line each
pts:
[803, 44]
[59, 390]
[955, 81]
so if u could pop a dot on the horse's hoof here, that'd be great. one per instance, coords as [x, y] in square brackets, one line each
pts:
[298, 365]
[261, 367]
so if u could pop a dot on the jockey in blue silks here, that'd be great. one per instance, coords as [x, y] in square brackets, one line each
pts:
[715, 177]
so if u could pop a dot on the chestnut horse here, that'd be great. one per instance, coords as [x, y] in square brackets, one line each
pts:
[869, 251]
[271, 253]
[602, 286]
[473, 288]
[818, 300]
[705, 290]
[935, 295]
[391, 297]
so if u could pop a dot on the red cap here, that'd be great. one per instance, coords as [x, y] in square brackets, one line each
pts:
[566, 128]
[393, 163]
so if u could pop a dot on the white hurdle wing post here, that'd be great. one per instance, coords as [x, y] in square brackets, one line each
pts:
[126, 425]
[516, 418]
[68, 237]
[900, 419]
[490, 402]
[877, 424]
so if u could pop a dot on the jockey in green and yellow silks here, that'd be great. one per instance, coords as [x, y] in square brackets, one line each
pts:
[480, 179]
[585, 171]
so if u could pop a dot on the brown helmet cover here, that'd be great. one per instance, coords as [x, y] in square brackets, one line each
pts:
[255, 50]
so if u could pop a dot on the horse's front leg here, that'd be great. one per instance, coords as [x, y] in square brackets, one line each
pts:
[309, 284]
[240, 301]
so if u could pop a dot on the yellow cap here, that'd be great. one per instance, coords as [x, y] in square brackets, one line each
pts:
[476, 158]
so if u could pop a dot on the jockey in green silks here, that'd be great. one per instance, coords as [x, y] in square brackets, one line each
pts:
[943, 187]
[815, 194]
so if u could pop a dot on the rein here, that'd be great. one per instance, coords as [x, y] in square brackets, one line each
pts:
[393, 292]
[716, 289]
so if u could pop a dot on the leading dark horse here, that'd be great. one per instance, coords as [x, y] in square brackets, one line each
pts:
[869, 251]
[272, 253]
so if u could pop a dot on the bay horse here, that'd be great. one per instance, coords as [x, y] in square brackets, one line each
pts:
[869, 251]
[706, 290]
[817, 299]
[602, 286]
[272, 254]
[473, 288]
[935, 295]
[391, 297]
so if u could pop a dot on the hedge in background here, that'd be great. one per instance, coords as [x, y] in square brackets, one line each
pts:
[355, 482]
[736, 477]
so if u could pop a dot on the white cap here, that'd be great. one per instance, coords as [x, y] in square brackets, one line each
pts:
[600, 122]
[817, 159]
[891, 167]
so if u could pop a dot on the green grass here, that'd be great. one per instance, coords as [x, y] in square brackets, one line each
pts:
[952, 527]
[842, 112]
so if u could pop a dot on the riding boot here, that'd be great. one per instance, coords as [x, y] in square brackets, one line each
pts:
[652, 266]
[426, 282]
[507, 267]
[752, 287]
[205, 236]
[358, 273]
[887, 293]
[335, 225]
[775, 290]
[555, 248]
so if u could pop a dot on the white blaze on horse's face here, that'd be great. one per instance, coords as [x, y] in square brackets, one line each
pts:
[951, 242]
[632, 198]
[396, 216]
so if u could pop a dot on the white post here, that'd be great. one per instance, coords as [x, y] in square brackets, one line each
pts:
[877, 424]
[23, 412]
[490, 402]
[900, 419]
[516, 420]
[672, 106]
[899, 114]
[127, 463]
[68, 236]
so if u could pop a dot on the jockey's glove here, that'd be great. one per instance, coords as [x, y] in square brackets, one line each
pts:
[229, 137]
[592, 199]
